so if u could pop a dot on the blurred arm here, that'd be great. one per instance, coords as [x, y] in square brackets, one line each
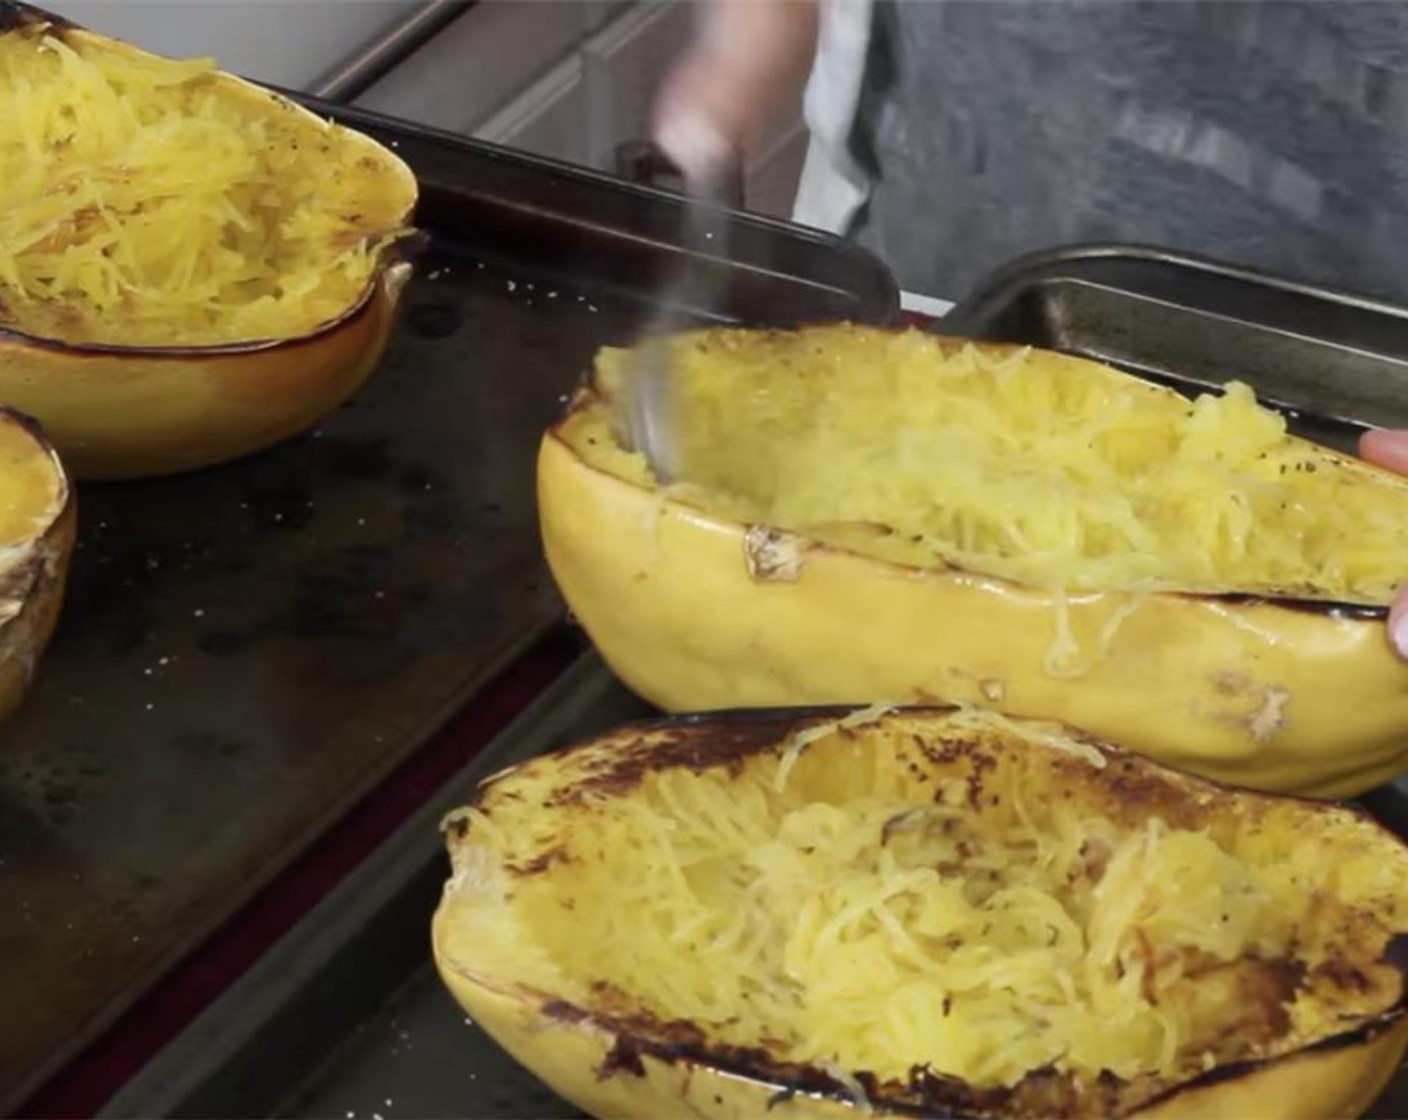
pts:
[748, 59]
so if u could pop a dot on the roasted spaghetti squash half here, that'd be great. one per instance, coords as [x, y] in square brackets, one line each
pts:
[872, 515]
[191, 267]
[921, 912]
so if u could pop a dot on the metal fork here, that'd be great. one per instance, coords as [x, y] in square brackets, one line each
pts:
[649, 397]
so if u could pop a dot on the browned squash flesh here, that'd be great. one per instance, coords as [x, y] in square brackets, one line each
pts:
[922, 911]
[192, 267]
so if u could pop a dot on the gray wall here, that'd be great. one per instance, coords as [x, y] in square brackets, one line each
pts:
[285, 42]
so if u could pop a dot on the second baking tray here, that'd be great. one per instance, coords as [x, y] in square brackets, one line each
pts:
[346, 1018]
[1334, 362]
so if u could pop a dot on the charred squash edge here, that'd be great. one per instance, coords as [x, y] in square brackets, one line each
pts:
[940, 1097]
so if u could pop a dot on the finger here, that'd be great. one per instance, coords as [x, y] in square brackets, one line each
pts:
[1386, 447]
[1398, 623]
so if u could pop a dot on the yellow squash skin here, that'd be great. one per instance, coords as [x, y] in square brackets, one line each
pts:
[683, 607]
[33, 569]
[122, 412]
[609, 1070]
[134, 413]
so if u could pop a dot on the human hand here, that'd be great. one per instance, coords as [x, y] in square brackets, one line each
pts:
[1388, 448]
[745, 62]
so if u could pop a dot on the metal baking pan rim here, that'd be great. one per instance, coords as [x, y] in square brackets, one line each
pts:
[1028, 274]
[959, 320]
[888, 292]
[1030, 266]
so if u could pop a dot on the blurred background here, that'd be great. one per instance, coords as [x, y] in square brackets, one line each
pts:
[568, 79]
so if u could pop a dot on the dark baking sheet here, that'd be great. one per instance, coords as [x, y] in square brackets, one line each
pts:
[246, 651]
[346, 1018]
[345, 1014]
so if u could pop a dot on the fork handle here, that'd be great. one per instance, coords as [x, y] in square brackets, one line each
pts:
[645, 162]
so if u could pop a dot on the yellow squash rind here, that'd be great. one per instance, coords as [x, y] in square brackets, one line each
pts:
[34, 574]
[694, 611]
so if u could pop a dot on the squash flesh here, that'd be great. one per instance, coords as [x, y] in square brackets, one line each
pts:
[152, 202]
[1033, 467]
[31, 487]
[961, 893]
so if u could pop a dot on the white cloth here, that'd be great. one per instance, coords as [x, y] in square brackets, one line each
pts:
[833, 185]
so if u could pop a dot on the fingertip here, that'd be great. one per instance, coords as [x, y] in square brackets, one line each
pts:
[1398, 623]
[1388, 447]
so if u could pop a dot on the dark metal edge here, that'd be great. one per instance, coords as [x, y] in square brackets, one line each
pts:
[1212, 290]
[249, 1049]
[866, 277]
